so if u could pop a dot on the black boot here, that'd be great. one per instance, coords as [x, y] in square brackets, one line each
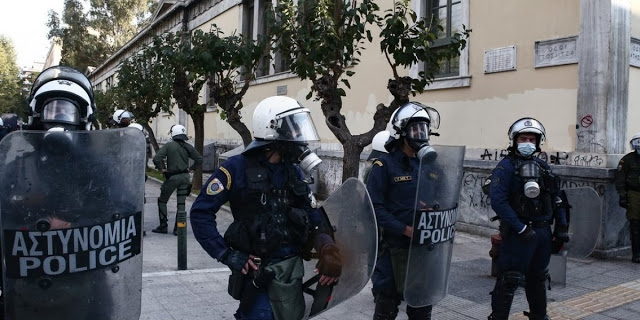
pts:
[422, 313]
[502, 294]
[160, 229]
[634, 231]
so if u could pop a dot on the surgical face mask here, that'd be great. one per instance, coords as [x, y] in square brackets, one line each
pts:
[526, 149]
[530, 173]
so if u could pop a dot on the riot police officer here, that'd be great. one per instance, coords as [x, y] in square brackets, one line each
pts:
[8, 123]
[273, 218]
[627, 182]
[525, 196]
[56, 180]
[121, 118]
[392, 182]
[377, 150]
[176, 153]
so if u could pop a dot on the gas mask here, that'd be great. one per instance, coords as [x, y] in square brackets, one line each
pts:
[530, 174]
[58, 141]
[299, 153]
[417, 135]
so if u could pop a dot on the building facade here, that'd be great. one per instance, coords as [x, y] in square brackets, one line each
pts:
[569, 64]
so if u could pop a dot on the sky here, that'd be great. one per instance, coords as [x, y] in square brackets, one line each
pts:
[24, 22]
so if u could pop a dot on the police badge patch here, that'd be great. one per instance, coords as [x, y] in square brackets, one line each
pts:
[214, 187]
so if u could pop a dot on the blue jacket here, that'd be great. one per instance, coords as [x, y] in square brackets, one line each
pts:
[392, 187]
[228, 179]
[506, 184]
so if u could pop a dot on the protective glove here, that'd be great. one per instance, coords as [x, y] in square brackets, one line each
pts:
[561, 233]
[528, 234]
[235, 260]
[330, 263]
[623, 202]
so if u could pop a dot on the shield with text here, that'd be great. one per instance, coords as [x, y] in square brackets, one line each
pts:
[435, 216]
[71, 214]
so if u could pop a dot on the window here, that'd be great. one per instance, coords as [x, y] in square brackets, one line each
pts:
[109, 82]
[451, 15]
[254, 24]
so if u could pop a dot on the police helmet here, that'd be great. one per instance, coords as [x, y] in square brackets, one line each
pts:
[281, 118]
[178, 132]
[378, 143]
[635, 141]
[529, 125]
[62, 96]
[413, 120]
[122, 117]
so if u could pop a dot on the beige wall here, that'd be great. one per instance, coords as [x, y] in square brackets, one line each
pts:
[494, 101]
[477, 116]
[635, 18]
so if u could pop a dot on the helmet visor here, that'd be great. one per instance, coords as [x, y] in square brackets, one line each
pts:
[296, 127]
[60, 110]
[635, 143]
[418, 130]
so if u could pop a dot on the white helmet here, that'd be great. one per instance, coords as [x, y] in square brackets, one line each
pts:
[62, 96]
[121, 114]
[284, 119]
[378, 143]
[136, 126]
[635, 141]
[412, 111]
[178, 132]
[529, 125]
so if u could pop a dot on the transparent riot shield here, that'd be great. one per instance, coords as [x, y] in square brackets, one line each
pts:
[71, 216]
[585, 223]
[436, 211]
[350, 213]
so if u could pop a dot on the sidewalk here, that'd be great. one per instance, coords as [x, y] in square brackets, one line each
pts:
[596, 289]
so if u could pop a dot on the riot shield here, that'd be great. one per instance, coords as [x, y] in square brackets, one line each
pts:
[350, 213]
[586, 219]
[71, 216]
[436, 211]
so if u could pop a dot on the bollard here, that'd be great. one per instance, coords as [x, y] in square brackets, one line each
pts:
[182, 240]
[496, 240]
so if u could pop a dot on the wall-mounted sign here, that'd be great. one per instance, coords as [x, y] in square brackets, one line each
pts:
[556, 52]
[635, 53]
[500, 59]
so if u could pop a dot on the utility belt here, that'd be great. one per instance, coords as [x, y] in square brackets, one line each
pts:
[169, 174]
[536, 224]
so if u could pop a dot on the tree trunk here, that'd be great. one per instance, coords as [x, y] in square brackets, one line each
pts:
[234, 121]
[152, 137]
[198, 143]
[351, 159]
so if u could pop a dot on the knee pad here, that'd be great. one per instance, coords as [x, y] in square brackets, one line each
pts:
[421, 313]
[386, 307]
[183, 191]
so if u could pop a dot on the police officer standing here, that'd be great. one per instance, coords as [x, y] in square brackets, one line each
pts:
[121, 118]
[176, 153]
[392, 183]
[59, 176]
[627, 182]
[8, 124]
[525, 196]
[274, 222]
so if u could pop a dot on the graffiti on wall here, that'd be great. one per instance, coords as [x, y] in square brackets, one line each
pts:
[593, 160]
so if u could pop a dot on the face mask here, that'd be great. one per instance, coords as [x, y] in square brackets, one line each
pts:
[526, 149]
